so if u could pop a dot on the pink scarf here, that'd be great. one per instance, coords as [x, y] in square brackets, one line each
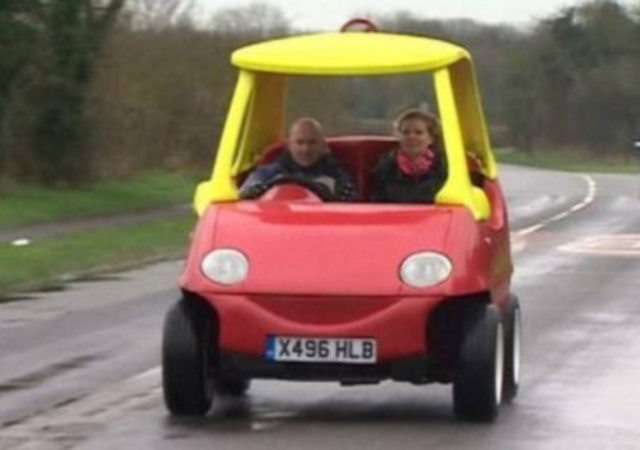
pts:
[419, 165]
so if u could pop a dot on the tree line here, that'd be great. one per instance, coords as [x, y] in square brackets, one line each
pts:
[92, 88]
[49, 51]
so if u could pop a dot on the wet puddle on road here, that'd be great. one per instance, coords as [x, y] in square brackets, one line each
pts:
[70, 422]
[58, 286]
[40, 376]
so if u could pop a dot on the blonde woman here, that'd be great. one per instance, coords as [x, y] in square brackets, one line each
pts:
[416, 170]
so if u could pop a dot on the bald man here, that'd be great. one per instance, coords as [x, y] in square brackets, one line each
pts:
[307, 157]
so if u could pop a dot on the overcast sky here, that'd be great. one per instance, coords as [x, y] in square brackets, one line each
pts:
[330, 14]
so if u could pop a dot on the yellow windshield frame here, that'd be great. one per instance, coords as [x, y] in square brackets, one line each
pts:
[255, 116]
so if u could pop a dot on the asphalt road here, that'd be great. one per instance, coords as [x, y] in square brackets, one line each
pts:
[79, 368]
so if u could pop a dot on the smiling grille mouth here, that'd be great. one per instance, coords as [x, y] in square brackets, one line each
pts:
[322, 310]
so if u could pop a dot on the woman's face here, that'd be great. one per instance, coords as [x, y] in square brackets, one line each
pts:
[414, 136]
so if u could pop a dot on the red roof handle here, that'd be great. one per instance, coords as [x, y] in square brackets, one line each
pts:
[359, 24]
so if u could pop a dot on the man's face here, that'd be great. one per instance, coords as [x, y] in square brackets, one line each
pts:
[306, 144]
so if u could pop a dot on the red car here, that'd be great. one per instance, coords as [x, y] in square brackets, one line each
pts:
[291, 287]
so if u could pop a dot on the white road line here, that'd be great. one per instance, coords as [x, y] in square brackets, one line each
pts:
[586, 201]
[606, 245]
[151, 373]
[528, 230]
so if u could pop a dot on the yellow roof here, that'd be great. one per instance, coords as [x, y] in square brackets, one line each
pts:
[349, 53]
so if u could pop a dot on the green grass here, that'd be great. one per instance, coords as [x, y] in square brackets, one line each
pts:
[22, 205]
[44, 262]
[569, 161]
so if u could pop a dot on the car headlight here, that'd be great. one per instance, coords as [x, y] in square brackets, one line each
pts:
[425, 269]
[225, 266]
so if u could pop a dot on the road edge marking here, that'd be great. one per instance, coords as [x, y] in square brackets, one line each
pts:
[518, 242]
[592, 190]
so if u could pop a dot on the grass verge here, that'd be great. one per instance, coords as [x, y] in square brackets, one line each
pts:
[569, 161]
[23, 205]
[48, 262]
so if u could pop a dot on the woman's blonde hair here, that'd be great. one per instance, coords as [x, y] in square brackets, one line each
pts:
[432, 122]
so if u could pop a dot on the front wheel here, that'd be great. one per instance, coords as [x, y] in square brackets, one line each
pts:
[477, 385]
[186, 362]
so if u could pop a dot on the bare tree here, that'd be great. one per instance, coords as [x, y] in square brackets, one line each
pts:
[257, 19]
[48, 132]
[160, 14]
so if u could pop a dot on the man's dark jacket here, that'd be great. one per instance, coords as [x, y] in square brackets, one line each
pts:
[326, 167]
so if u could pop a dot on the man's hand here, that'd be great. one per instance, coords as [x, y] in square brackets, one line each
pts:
[253, 191]
[326, 181]
[346, 192]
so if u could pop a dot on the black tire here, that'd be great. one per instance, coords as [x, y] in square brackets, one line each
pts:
[186, 362]
[477, 384]
[512, 350]
[234, 387]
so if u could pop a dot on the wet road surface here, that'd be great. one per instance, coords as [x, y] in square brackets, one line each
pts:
[78, 368]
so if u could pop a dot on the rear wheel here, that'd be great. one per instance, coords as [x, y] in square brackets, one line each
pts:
[512, 349]
[477, 385]
[186, 361]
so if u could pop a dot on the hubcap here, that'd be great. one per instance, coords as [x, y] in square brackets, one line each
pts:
[517, 339]
[499, 364]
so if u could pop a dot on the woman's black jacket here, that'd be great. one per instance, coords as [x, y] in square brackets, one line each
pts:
[390, 184]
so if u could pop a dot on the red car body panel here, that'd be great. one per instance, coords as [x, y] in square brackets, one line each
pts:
[398, 324]
[332, 269]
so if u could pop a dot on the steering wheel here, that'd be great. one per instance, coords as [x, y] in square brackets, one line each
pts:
[318, 189]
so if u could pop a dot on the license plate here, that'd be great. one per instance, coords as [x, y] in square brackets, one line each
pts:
[335, 350]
